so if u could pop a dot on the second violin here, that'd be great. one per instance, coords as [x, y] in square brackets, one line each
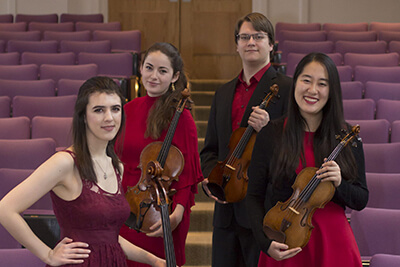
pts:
[228, 180]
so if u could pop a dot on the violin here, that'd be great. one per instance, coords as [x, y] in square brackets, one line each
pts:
[290, 222]
[168, 160]
[228, 180]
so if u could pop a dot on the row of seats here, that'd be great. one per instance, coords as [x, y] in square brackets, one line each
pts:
[378, 131]
[372, 90]
[120, 41]
[52, 18]
[367, 109]
[328, 27]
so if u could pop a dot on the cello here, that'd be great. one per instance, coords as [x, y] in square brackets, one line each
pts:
[161, 164]
[228, 180]
[290, 222]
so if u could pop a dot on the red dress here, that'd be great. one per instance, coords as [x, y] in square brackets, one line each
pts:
[185, 139]
[332, 241]
[94, 217]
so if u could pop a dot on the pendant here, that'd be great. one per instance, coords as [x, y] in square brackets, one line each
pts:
[105, 175]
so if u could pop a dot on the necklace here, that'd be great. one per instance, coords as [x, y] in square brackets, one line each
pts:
[104, 172]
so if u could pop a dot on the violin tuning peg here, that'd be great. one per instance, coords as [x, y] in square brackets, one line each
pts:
[338, 137]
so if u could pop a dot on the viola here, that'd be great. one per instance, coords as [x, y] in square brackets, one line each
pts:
[143, 198]
[290, 222]
[228, 180]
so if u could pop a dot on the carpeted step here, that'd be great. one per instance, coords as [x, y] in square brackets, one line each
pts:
[201, 113]
[201, 128]
[198, 248]
[202, 98]
[202, 216]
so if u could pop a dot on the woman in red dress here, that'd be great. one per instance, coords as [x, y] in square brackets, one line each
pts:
[303, 139]
[147, 121]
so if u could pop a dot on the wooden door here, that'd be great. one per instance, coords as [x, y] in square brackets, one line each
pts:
[201, 29]
[207, 37]
[158, 20]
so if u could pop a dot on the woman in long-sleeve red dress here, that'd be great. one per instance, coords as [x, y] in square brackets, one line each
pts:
[147, 121]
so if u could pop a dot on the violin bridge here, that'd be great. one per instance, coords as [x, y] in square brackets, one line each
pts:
[293, 210]
[230, 167]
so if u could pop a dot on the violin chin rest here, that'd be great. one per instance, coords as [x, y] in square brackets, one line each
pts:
[274, 235]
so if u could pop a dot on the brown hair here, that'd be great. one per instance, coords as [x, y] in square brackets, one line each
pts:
[163, 109]
[81, 149]
[260, 23]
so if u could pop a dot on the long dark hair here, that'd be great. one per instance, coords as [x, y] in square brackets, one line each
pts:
[163, 109]
[331, 125]
[81, 149]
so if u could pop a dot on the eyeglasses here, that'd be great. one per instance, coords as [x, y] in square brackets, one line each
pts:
[246, 37]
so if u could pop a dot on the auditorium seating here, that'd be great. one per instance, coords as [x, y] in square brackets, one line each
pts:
[384, 26]
[25, 153]
[359, 109]
[32, 46]
[382, 90]
[53, 106]
[55, 27]
[382, 158]
[67, 17]
[384, 260]
[280, 26]
[9, 58]
[373, 131]
[389, 36]
[51, 18]
[352, 90]
[383, 190]
[348, 27]
[92, 26]
[13, 27]
[367, 47]
[377, 74]
[15, 128]
[121, 41]
[19, 72]
[388, 109]
[57, 128]
[335, 36]
[376, 231]
[6, 18]
[376, 60]
[75, 72]
[118, 65]
[5, 106]
[395, 134]
[12, 88]
[305, 47]
[68, 87]
[67, 58]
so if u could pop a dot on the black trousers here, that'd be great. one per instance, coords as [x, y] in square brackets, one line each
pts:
[234, 246]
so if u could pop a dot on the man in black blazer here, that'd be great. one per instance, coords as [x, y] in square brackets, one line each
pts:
[236, 104]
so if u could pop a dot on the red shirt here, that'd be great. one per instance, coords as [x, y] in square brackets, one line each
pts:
[243, 93]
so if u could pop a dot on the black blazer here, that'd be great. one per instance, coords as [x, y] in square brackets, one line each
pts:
[219, 131]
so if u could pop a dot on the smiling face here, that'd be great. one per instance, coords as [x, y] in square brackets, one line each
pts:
[312, 91]
[252, 51]
[157, 73]
[103, 116]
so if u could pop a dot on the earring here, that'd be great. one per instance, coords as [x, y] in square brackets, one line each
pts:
[173, 87]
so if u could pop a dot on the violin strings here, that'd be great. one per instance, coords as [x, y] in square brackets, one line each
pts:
[162, 156]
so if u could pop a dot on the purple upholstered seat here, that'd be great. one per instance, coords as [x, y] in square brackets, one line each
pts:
[99, 26]
[359, 109]
[303, 36]
[294, 58]
[19, 257]
[372, 47]
[378, 74]
[345, 73]
[66, 17]
[280, 26]
[395, 134]
[5, 106]
[55, 27]
[377, 60]
[75, 72]
[15, 128]
[394, 46]
[67, 58]
[127, 41]
[19, 72]
[383, 190]
[381, 90]
[69, 87]
[364, 36]
[117, 65]
[51, 106]
[21, 36]
[2, 46]
[51, 18]
[376, 231]
[389, 36]
[288, 47]
[25, 153]
[384, 260]
[345, 27]
[13, 88]
[67, 36]
[85, 46]
[32, 46]
[373, 131]
[11, 58]
[382, 158]
[59, 129]
[6, 18]
[384, 26]
[352, 90]
[388, 109]
[13, 27]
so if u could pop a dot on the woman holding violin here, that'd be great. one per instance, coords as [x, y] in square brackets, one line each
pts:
[303, 139]
[147, 121]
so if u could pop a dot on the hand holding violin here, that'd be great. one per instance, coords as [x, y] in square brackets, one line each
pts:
[280, 251]
[175, 219]
[330, 171]
[258, 118]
